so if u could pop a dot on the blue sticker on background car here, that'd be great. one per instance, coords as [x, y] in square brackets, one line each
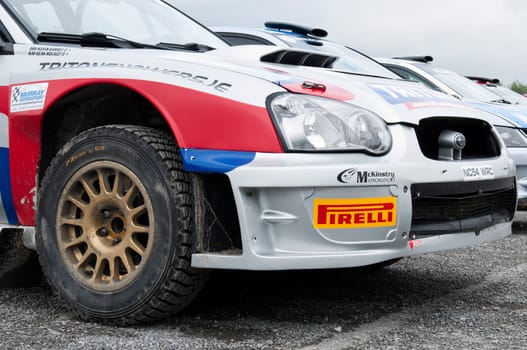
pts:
[394, 94]
[515, 115]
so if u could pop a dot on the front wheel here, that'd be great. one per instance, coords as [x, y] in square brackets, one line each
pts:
[114, 226]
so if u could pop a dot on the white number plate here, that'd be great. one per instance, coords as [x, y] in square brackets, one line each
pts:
[478, 172]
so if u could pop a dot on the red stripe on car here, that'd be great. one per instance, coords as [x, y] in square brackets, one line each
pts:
[197, 119]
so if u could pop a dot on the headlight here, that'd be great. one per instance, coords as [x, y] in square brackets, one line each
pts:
[512, 137]
[310, 123]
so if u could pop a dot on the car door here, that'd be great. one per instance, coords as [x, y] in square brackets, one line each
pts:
[7, 211]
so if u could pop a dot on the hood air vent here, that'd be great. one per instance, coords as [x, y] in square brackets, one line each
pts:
[300, 58]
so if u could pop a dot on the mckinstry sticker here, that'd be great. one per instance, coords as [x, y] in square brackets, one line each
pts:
[28, 97]
[354, 176]
[479, 172]
[355, 212]
[394, 94]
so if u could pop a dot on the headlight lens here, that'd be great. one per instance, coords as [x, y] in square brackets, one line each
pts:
[512, 137]
[310, 123]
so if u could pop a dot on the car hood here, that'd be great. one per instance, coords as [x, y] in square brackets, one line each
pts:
[393, 99]
[515, 114]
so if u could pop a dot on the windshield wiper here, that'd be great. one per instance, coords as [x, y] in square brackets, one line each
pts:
[504, 101]
[363, 74]
[188, 46]
[96, 39]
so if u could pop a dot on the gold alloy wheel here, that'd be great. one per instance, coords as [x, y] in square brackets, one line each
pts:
[105, 226]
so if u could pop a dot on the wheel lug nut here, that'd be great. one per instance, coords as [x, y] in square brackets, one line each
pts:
[103, 232]
[116, 241]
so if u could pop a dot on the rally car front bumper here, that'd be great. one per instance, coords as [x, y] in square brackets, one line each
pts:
[519, 155]
[305, 211]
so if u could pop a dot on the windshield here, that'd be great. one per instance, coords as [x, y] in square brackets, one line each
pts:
[465, 87]
[145, 21]
[349, 60]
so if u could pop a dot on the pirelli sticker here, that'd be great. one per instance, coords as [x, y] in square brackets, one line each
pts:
[355, 213]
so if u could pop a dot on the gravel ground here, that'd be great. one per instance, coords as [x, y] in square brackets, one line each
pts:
[463, 299]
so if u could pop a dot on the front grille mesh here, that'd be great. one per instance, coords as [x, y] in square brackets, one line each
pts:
[478, 206]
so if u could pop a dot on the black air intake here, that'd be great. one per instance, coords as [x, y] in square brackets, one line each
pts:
[480, 141]
[300, 58]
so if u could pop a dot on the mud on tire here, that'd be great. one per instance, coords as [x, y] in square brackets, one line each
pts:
[114, 226]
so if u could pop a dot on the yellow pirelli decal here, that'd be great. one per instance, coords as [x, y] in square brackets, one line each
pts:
[355, 212]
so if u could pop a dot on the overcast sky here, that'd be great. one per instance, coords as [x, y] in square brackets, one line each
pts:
[472, 37]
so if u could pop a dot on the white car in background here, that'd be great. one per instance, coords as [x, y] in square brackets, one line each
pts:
[507, 94]
[421, 69]
[300, 37]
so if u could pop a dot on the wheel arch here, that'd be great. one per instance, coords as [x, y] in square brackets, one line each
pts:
[91, 104]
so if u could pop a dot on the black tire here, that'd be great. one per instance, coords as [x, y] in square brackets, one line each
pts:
[114, 226]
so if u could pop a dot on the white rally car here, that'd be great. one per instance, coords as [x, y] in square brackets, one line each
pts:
[138, 150]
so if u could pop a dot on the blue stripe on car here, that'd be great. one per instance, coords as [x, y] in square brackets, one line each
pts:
[5, 187]
[213, 161]
[516, 116]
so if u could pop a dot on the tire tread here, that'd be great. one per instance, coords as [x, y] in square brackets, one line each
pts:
[181, 283]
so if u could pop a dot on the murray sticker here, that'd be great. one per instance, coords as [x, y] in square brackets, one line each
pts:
[355, 213]
[480, 172]
[28, 97]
